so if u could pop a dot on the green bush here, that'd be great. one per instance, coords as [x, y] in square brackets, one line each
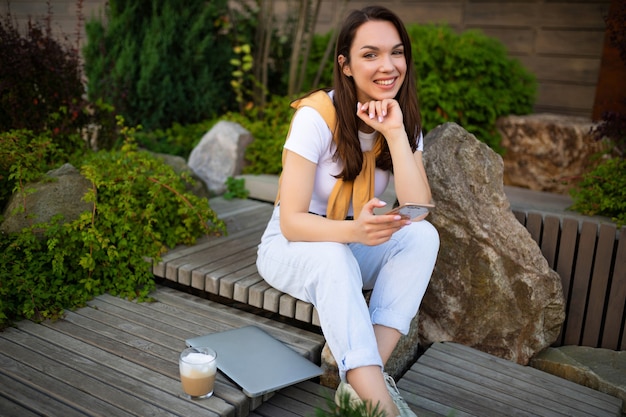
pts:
[141, 209]
[161, 62]
[468, 78]
[602, 191]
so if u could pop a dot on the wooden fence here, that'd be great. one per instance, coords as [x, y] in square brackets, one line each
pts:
[591, 260]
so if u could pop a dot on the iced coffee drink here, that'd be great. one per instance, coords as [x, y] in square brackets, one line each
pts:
[198, 367]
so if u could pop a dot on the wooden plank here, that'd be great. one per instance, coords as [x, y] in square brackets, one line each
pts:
[243, 248]
[271, 299]
[598, 290]
[458, 400]
[199, 275]
[242, 287]
[565, 262]
[559, 387]
[82, 391]
[534, 223]
[227, 283]
[304, 311]
[162, 377]
[578, 43]
[256, 293]
[206, 253]
[150, 357]
[212, 279]
[550, 238]
[21, 399]
[287, 306]
[509, 390]
[580, 284]
[615, 314]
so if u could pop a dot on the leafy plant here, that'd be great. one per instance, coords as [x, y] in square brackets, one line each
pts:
[140, 209]
[345, 409]
[469, 79]
[161, 62]
[603, 191]
[236, 188]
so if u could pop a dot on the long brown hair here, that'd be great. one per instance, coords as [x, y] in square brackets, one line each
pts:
[347, 141]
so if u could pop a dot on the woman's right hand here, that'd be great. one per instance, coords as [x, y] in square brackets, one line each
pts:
[372, 229]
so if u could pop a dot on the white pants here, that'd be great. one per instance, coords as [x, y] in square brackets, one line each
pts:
[332, 276]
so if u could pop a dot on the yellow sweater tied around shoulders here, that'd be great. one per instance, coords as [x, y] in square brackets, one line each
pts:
[361, 189]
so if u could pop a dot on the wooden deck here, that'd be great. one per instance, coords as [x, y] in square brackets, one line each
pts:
[119, 358]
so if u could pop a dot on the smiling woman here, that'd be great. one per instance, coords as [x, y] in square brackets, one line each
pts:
[324, 244]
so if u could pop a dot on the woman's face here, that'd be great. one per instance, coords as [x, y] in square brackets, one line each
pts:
[377, 61]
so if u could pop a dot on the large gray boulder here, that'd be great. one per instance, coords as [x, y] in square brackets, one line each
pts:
[220, 154]
[60, 192]
[491, 289]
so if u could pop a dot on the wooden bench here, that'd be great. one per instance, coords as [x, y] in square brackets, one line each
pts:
[590, 258]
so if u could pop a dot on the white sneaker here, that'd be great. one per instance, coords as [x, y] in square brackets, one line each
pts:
[345, 390]
[402, 406]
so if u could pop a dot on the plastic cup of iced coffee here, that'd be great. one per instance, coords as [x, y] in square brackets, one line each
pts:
[198, 367]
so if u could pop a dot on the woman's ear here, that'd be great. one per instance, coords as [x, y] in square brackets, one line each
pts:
[344, 68]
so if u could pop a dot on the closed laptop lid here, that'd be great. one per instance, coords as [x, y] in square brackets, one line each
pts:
[256, 361]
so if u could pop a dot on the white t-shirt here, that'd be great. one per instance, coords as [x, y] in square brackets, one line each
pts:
[311, 138]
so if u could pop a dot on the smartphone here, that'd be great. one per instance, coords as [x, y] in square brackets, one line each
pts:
[412, 210]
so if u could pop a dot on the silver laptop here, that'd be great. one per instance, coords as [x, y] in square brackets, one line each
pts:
[256, 361]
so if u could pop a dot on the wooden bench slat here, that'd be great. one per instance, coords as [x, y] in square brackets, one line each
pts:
[550, 239]
[580, 284]
[599, 285]
[227, 283]
[287, 306]
[242, 288]
[616, 305]
[534, 223]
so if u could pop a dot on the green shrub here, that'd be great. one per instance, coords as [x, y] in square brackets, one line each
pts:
[141, 209]
[161, 62]
[468, 79]
[602, 191]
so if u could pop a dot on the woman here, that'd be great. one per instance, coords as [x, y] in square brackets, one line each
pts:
[324, 244]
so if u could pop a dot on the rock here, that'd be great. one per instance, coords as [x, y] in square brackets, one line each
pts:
[491, 289]
[546, 152]
[61, 193]
[219, 155]
[601, 369]
[179, 165]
